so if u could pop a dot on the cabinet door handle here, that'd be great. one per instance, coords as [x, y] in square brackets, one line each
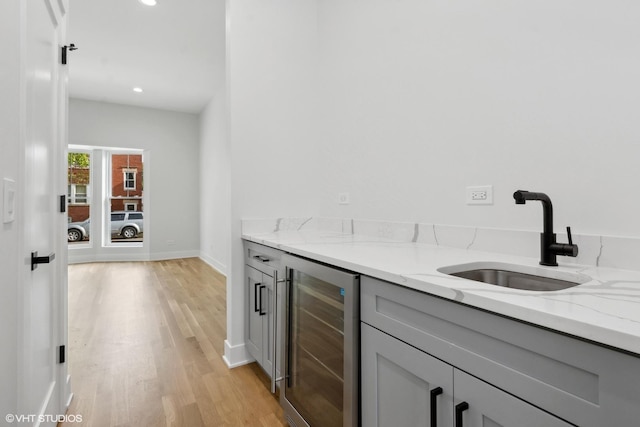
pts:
[262, 313]
[255, 297]
[460, 408]
[434, 405]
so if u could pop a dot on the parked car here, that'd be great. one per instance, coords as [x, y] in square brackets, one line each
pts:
[126, 224]
[78, 230]
[123, 223]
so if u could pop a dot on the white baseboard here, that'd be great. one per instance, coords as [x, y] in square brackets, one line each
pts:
[213, 263]
[236, 355]
[75, 257]
[160, 256]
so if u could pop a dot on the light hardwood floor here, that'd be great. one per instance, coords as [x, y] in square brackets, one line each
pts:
[145, 349]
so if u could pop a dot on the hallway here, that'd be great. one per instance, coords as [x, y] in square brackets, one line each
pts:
[145, 349]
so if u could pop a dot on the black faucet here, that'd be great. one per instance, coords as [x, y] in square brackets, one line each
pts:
[549, 248]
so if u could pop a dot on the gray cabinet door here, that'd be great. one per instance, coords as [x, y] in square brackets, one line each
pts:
[397, 381]
[491, 407]
[255, 328]
[261, 318]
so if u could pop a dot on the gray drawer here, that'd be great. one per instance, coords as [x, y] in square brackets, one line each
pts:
[581, 382]
[263, 258]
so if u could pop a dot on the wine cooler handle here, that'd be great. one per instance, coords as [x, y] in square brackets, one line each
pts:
[262, 313]
[274, 335]
[460, 408]
[434, 405]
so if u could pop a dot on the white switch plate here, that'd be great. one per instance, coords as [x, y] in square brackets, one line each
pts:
[344, 199]
[8, 200]
[479, 195]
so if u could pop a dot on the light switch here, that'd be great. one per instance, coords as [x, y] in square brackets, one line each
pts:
[8, 200]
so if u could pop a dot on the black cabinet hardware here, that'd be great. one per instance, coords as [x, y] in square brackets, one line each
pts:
[255, 296]
[460, 408]
[434, 405]
[262, 313]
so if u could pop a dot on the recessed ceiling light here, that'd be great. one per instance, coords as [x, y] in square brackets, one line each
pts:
[137, 89]
[148, 2]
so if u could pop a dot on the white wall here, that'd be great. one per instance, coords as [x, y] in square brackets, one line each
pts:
[170, 142]
[10, 146]
[215, 185]
[421, 99]
[404, 103]
[271, 63]
[215, 162]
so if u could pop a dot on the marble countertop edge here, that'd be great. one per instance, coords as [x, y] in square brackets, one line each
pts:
[605, 310]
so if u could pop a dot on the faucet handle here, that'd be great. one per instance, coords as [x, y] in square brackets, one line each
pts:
[569, 235]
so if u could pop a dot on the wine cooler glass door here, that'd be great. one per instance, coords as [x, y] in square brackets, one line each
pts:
[321, 345]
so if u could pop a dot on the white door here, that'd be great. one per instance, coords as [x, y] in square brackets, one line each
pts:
[39, 393]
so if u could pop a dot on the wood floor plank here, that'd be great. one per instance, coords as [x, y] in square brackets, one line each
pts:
[146, 345]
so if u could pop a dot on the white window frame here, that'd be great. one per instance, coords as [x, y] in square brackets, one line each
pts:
[133, 173]
[73, 194]
[101, 247]
[133, 204]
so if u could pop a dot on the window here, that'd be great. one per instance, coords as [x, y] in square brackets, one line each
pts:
[125, 194]
[118, 193]
[78, 194]
[129, 179]
[79, 197]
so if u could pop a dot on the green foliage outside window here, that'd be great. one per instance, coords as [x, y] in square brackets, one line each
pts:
[78, 172]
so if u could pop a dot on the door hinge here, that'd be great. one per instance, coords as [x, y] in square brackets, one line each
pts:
[64, 48]
[62, 354]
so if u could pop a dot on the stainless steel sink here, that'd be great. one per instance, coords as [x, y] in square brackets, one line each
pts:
[527, 278]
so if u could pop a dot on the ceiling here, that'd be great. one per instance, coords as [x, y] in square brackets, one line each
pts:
[174, 51]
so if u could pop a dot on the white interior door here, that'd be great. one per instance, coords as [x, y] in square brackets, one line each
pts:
[40, 389]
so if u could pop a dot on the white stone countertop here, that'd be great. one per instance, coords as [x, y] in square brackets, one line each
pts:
[604, 309]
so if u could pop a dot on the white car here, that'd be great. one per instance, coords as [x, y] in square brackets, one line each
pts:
[123, 223]
[126, 224]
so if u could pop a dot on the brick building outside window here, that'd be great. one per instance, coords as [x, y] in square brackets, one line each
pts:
[126, 182]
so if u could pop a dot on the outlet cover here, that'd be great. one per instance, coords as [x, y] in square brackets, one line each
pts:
[479, 195]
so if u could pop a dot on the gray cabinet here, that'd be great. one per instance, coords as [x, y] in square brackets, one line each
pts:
[405, 387]
[260, 322]
[508, 372]
[398, 381]
[488, 406]
[262, 272]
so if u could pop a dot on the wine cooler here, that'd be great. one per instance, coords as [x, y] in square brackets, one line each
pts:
[321, 345]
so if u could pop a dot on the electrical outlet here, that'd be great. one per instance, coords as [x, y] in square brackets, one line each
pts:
[480, 195]
[343, 198]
